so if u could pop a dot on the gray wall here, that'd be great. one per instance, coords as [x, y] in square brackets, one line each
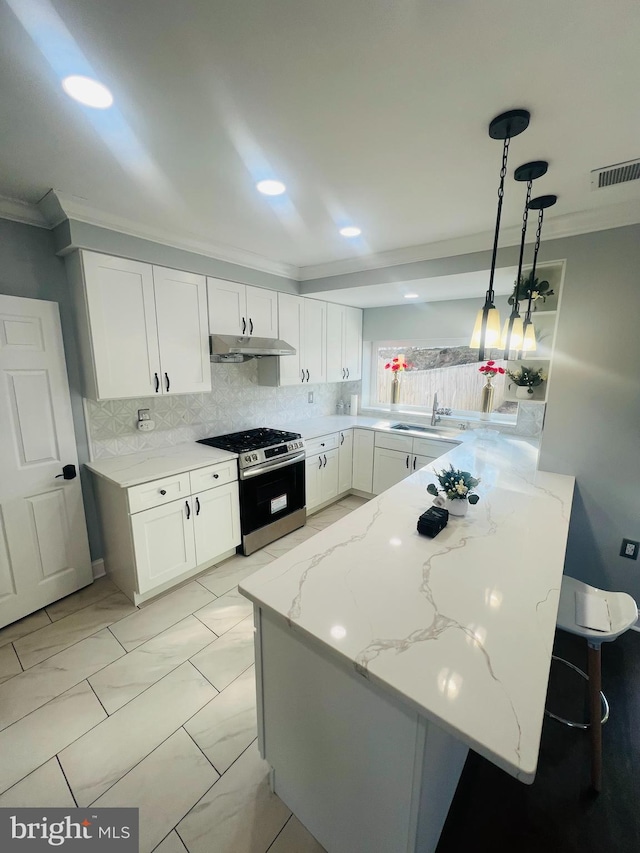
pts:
[29, 267]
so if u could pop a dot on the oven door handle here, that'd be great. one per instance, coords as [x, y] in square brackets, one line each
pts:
[270, 466]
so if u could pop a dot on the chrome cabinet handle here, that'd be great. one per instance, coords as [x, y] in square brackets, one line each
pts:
[250, 326]
[244, 325]
[157, 382]
[186, 503]
[166, 379]
[197, 507]
[325, 460]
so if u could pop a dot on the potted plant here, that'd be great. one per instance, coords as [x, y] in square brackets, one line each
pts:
[526, 378]
[458, 489]
[530, 286]
[397, 365]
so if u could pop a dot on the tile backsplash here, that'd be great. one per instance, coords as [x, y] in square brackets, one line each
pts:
[236, 402]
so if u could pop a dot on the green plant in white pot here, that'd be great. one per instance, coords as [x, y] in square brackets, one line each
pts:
[458, 489]
[526, 378]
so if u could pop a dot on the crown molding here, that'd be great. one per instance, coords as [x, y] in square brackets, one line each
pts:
[57, 206]
[567, 225]
[21, 211]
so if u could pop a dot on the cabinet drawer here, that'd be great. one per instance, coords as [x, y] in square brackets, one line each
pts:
[403, 443]
[322, 444]
[213, 475]
[431, 447]
[158, 492]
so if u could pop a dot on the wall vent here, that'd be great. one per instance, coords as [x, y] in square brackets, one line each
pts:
[619, 173]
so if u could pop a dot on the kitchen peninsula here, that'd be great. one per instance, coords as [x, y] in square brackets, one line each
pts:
[382, 656]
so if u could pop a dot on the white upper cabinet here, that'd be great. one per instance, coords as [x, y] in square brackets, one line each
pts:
[239, 309]
[302, 323]
[344, 343]
[183, 334]
[143, 329]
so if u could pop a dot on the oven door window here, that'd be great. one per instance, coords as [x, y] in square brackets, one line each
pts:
[271, 495]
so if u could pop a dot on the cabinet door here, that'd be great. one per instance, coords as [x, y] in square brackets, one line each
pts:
[163, 543]
[336, 366]
[419, 462]
[363, 460]
[183, 335]
[345, 461]
[353, 343]
[216, 522]
[290, 320]
[122, 322]
[314, 342]
[329, 475]
[262, 312]
[313, 467]
[389, 468]
[227, 307]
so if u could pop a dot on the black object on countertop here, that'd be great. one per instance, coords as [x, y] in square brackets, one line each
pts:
[433, 521]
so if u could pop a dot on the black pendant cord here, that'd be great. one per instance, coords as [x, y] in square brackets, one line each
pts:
[527, 319]
[515, 311]
[489, 304]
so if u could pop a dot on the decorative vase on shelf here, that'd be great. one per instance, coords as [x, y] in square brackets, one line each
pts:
[522, 393]
[486, 402]
[395, 389]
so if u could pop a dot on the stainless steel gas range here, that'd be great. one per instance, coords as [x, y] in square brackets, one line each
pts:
[271, 480]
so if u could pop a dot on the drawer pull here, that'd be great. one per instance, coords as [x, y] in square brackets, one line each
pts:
[163, 491]
[215, 476]
[322, 444]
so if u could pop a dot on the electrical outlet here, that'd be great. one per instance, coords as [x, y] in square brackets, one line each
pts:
[146, 426]
[310, 397]
[629, 549]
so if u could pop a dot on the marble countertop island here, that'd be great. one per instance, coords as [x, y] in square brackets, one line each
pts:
[458, 628]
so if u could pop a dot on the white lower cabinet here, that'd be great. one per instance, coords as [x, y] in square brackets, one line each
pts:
[345, 461]
[392, 466]
[216, 522]
[163, 543]
[321, 478]
[363, 460]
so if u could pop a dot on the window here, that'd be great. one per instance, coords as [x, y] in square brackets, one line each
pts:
[450, 371]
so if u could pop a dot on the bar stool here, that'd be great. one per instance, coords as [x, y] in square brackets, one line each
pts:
[623, 613]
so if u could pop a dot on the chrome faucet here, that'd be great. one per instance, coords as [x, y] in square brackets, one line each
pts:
[435, 418]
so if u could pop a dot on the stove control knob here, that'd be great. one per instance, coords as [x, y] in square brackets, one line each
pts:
[255, 457]
[247, 459]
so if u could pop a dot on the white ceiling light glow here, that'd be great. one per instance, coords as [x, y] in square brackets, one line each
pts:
[271, 187]
[351, 231]
[87, 91]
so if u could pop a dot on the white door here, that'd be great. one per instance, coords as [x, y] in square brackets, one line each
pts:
[227, 307]
[163, 543]
[290, 321]
[329, 476]
[345, 461]
[363, 460]
[313, 467]
[353, 343]
[44, 553]
[389, 467]
[183, 335]
[122, 321]
[262, 312]
[217, 521]
[314, 343]
[336, 367]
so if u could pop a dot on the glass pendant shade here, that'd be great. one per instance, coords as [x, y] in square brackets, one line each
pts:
[529, 343]
[492, 333]
[515, 339]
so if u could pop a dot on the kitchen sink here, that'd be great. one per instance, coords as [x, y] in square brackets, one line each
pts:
[413, 428]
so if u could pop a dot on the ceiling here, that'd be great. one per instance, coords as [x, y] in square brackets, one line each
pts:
[372, 112]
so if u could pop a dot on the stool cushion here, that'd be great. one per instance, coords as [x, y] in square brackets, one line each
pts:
[622, 610]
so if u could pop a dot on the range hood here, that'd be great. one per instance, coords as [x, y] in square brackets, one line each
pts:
[232, 349]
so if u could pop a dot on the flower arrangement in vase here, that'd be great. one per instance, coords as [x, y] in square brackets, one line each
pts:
[530, 286]
[397, 365]
[458, 487]
[488, 370]
[526, 378]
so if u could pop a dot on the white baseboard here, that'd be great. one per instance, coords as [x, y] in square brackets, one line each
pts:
[98, 568]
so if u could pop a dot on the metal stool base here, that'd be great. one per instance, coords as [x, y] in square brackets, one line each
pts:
[571, 723]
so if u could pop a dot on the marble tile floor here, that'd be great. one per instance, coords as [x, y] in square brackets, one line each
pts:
[108, 704]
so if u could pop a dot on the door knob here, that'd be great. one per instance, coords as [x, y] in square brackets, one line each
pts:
[68, 472]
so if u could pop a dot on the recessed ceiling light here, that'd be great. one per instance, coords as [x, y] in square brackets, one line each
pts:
[411, 295]
[89, 92]
[270, 187]
[350, 231]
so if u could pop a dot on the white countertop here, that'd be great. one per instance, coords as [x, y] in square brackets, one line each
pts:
[460, 627]
[315, 427]
[135, 468]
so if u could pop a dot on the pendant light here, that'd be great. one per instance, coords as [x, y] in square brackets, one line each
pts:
[541, 203]
[486, 332]
[513, 331]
